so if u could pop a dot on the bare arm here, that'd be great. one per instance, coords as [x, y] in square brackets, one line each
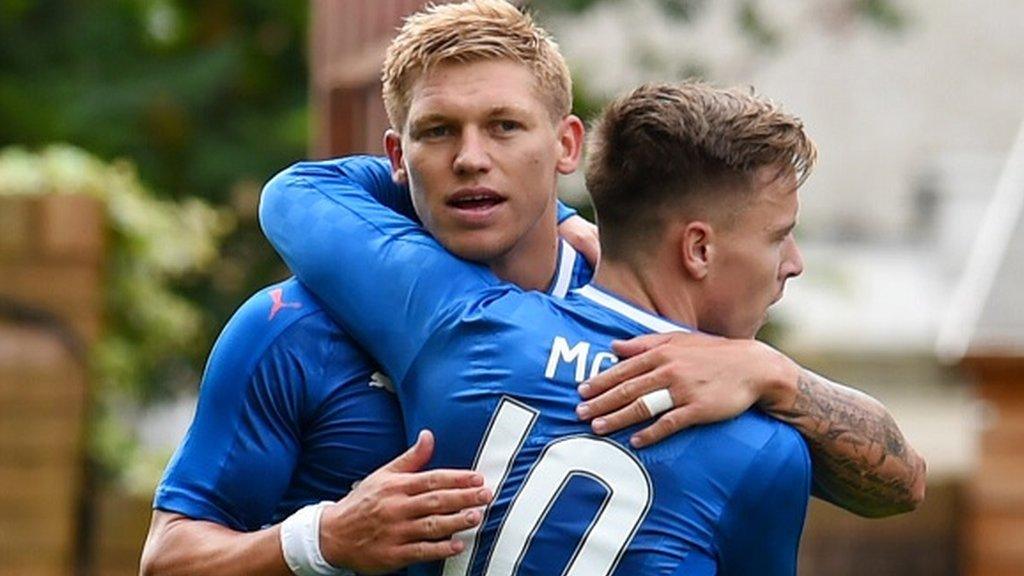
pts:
[177, 545]
[861, 460]
[395, 517]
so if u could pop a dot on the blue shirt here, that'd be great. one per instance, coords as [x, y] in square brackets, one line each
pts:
[493, 370]
[291, 410]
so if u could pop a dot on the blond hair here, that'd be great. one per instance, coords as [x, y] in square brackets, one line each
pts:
[666, 146]
[468, 32]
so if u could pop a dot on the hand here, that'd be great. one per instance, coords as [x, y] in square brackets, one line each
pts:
[399, 515]
[708, 378]
[581, 235]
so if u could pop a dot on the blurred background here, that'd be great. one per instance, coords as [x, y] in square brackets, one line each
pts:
[135, 136]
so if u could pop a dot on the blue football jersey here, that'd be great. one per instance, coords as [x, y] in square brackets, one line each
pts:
[493, 371]
[291, 410]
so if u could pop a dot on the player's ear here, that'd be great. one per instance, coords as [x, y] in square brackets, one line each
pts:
[696, 248]
[570, 142]
[393, 148]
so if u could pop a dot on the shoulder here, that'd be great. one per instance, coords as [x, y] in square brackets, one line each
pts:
[283, 322]
[767, 444]
[508, 307]
[750, 445]
[282, 345]
[265, 316]
[360, 165]
[773, 453]
[757, 430]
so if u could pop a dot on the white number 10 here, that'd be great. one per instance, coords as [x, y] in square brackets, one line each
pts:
[603, 542]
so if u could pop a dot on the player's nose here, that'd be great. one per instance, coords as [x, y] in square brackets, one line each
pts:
[472, 155]
[793, 262]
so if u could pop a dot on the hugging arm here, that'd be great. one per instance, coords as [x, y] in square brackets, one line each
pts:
[378, 273]
[861, 460]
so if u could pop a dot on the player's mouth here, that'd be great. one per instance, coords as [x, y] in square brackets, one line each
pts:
[781, 293]
[475, 205]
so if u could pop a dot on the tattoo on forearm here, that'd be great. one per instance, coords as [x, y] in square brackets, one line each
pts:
[861, 460]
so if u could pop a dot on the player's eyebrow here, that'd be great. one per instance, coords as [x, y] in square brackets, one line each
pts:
[506, 111]
[433, 118]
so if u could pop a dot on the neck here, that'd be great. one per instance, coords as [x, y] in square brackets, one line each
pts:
[531, 263]
[663, 293]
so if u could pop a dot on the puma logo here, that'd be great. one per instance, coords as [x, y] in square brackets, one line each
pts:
[277, 303]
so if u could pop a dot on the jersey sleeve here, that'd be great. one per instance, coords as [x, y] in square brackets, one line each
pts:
[761, 525]
[377, 272]
[565, 212]
[237, 458]
[373, 174]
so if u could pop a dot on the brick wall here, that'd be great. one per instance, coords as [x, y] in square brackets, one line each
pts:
[50, 309]
[347, 43]
[995, 521]
[923, 542]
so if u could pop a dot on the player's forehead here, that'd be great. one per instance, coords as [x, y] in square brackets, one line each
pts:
[484, 87]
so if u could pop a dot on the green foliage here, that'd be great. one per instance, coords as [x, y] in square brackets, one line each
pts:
[154, 244]
[679, 9]
[755, 26]
[883, 13]
[208, 99]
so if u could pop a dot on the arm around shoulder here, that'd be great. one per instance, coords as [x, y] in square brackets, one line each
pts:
[862, 462]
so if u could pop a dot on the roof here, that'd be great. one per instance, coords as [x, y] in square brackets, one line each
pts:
[986, 314]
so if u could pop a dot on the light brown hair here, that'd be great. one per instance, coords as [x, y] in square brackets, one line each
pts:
[689, 146]
[468, 32]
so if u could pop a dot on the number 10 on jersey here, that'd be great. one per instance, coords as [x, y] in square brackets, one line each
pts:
[601, 544]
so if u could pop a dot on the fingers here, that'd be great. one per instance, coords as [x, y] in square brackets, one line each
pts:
[643, 354]
[616, 375]
[440, 526]
[633, 413]
[670, 422]
[622, 394]
[423, 551]
[448, 501]
[416, 457]
[639, 344]
[590, 245]
[442, 479]
[680, 341]
[582, 236]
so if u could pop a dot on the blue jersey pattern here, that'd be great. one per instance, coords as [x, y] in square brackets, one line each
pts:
[291, 411]
[493, 370]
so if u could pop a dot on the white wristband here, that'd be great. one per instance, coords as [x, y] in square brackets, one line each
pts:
[300, 542]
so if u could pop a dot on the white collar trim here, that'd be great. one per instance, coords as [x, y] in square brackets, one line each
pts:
[563, 274]
[646, 319]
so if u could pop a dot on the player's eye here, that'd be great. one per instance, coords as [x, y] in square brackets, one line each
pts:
[507, 126]
[437, 131]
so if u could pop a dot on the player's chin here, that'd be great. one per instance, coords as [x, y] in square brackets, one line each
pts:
[481, 246]
[756, 326]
